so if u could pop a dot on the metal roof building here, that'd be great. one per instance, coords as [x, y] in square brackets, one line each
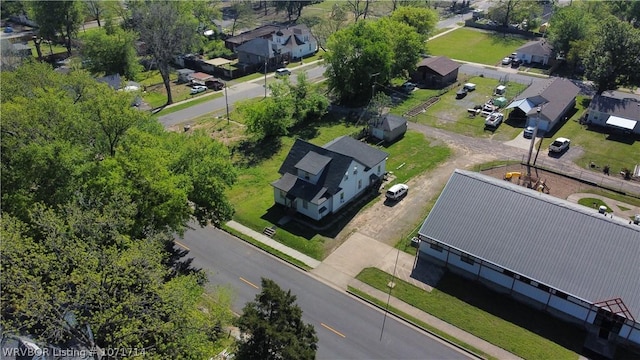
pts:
[557, 246]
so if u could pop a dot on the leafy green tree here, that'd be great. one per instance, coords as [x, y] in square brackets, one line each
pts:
[322, 27]
[570, 23]
[53, 17]
[111, 53]
[422, 19]
[406, 44]
[168, 28]
[611, 59]
[507, 12]
[274, 324]
[308, 104]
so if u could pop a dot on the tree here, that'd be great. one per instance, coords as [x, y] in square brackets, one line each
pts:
[307, 104]
[111, 53]
[322, 27]
[406, 44]
[95, 8]
[292, 7]
[423, 20]
[507, 12]
[275, 327]
[611, 60]
[358, 8]
[53, 17]
[167, 28]
[570, 23]
[242, 15]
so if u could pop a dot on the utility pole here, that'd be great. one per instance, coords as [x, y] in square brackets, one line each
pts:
[533, 140]
[226, 100]
[265, 76]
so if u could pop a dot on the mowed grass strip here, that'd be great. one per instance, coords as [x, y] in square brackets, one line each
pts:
[482, 324]
[475, 45]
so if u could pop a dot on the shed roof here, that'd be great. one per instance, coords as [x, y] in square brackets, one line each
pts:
[440, 64]
[564, 245]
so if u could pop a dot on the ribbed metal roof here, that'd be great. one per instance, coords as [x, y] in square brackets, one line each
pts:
[564, 245]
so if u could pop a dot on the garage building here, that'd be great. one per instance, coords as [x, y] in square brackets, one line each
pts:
[557, 256]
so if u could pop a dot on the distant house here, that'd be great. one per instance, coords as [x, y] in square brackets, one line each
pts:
[263, 32]
[553, 97]
[388, 127]
[318, 181]
[615, 109]
[539, 51]
[283, 44]
[184, 75]
[436, 72]
[200, 78]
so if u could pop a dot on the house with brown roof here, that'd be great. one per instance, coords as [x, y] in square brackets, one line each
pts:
[538, 51]
[262, 32]
[553, 97]
[615, 109]
[436, 72]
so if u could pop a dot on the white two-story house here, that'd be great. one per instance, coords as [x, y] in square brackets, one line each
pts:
[318, 181]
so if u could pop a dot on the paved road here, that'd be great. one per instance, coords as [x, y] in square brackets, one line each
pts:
[351, 328]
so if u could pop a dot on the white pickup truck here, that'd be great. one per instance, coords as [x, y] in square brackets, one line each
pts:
[494, 119]
[559, 145]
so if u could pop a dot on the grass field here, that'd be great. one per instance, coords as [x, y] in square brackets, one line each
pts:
[492, 317]
[451, 114]
[475, 46]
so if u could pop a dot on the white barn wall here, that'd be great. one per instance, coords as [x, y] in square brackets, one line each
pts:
[531, 292]
[496, 277]
[568, 307]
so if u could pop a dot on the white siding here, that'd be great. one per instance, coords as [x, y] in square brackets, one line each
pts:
[568, 307]
[531, 291]
[277, 197]
[427, 248]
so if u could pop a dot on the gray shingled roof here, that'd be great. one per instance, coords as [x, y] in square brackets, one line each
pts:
[363, 153]
[298, 188]
[617, 103]
[392, 122]
[440, 64]
[556, 92]
[537, 47]
[259, 46]
[313, 162]
[564, 245]
[253, 34]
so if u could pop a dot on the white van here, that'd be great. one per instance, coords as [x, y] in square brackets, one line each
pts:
[283, 72]
[397, 191]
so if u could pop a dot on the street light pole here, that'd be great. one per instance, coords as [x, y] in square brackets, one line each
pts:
[265, 76]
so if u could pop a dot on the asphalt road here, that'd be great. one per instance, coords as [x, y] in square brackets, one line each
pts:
[346, 327]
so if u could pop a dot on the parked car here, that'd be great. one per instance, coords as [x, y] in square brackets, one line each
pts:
[469, 86]
[283, 72]
[397, 191]
[494, 120]
[408, 86]
[516, 63]
[461, 93]
[506, 61]
[8, 29]
[528, 132]
[198, 89]
[636, 219]
[214, 84]
[559, 145]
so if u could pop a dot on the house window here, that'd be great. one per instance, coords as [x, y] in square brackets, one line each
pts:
[306, 175]
[305, 204]
[378, 169]
[355, 170]
[466, 258]
[341, 197]
[436, 247]
[283, 194]
[360, 184]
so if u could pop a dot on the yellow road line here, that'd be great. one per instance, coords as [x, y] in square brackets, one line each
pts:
[181, 245]
[333, 330]
[249, 282]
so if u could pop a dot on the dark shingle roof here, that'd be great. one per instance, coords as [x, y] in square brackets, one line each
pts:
[363, 153]
[392, 122]
[556, 94]
[618, 104]
[555, 242]
[298, 188]
[313, 162]
[253, 34]
[536, 48]
[440, 64]
[260, 47]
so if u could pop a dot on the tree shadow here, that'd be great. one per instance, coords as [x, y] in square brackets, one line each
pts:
[252, 152]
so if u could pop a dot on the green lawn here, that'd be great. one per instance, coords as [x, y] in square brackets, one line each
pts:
[475, 46]
[451, 114]
[252, 195]
[450, 306]
[593, 203]
[617, 151]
